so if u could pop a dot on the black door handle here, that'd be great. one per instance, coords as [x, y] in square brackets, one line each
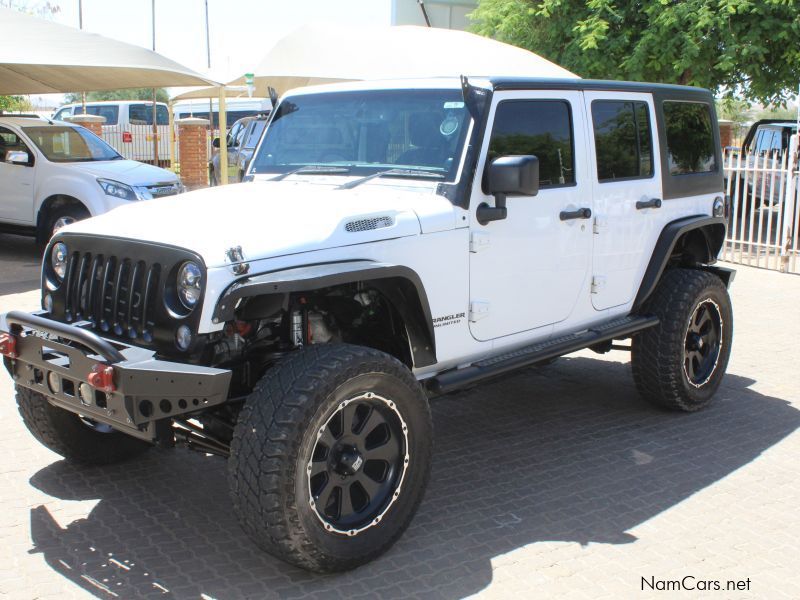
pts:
[581, 213]
[652, 203]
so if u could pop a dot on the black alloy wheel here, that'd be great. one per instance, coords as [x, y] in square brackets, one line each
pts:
[358, 464]
[703, 335]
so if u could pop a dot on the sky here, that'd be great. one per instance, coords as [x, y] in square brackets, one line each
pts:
[241, 31]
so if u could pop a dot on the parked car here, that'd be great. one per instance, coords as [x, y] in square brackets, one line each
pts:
[235, 109]
[399, 240]
[763, 153]
[53, 173]
[128, 127]
[242, 140]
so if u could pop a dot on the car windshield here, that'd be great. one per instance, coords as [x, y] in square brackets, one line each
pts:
[70, 144]
[366, 132]
[255, 134]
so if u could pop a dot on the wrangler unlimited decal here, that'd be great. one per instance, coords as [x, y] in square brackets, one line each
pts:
[449, 319]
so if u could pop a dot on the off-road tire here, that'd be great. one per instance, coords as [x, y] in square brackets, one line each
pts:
[657, 353]
[64, 433]
[275, 434]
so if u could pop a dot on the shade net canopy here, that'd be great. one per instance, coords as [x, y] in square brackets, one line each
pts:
[40, 57]
[238, 91]
[317, 54]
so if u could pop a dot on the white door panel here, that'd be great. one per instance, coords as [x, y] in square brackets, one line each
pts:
[527, 271]
[627, 172]
[16, 182]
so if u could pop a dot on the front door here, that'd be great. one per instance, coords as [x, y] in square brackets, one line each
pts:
[626, 178]
[16, 181]
[529, 270]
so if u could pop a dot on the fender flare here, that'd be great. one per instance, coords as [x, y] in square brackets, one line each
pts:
[401, 286]
[713, 229]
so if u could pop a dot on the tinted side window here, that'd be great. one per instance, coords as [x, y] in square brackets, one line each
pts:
[539, 127]
[233, 134]
[142, 114]
[690, 138]
[622, 138]
[9, 141]
[64, 112]
[111, 113]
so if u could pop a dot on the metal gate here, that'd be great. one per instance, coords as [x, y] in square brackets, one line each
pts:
[764, 200]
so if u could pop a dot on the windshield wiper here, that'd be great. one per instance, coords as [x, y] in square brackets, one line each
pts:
[390, 173]
[313, 169]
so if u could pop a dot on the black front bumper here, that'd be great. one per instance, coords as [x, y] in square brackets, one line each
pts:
[56, 360]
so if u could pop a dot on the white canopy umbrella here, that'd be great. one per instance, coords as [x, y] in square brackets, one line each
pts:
[316, 54]
[197, 93]
[40, 57]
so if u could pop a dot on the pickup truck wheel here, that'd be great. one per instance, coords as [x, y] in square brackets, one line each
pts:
[76, 438]
[331, 456]
[680, 363]
[62, 216]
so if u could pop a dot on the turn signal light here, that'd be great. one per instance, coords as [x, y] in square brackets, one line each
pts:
[102, 378]
[8, 345]
[127, 137]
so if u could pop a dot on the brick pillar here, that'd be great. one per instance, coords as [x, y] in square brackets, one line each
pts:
[193, 152]
[725, 133]
[93, 123]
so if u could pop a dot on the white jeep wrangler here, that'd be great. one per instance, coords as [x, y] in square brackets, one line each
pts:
[397, 240]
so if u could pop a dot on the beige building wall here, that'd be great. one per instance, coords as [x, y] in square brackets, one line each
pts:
[447, 14]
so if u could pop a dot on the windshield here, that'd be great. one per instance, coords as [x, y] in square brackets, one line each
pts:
[255, 134]
[367, 132]
[70, 144]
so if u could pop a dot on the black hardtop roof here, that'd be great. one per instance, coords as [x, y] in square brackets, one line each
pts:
[539, 83]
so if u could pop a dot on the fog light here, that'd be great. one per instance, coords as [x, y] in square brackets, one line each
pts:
[87, 393]
[183, 337]
[54, 381]
[47, 303]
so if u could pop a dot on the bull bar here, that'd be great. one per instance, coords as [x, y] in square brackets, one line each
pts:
[136, 390]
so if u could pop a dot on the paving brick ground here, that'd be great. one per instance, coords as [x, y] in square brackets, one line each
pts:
[555, 482]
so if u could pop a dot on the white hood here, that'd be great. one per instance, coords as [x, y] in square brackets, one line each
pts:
[130, 172]
[274, 219]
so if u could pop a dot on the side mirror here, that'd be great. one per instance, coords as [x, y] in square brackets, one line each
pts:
[509, 176]
[18, 157]
[215, 143]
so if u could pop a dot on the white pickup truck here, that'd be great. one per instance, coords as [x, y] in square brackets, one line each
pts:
[53, 174]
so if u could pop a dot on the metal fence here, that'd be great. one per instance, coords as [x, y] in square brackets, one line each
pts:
[135, 141]
[765, 202]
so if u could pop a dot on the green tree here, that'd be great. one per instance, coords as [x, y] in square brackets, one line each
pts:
[734, 47]
[129, 94]
[14, 104]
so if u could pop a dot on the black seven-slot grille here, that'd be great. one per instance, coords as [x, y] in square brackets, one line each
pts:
[114, 293]
[124, 289]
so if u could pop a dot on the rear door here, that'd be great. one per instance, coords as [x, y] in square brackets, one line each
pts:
[626, 185]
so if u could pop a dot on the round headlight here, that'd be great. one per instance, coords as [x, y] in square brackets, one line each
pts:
[58, 258]
[189, 279]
